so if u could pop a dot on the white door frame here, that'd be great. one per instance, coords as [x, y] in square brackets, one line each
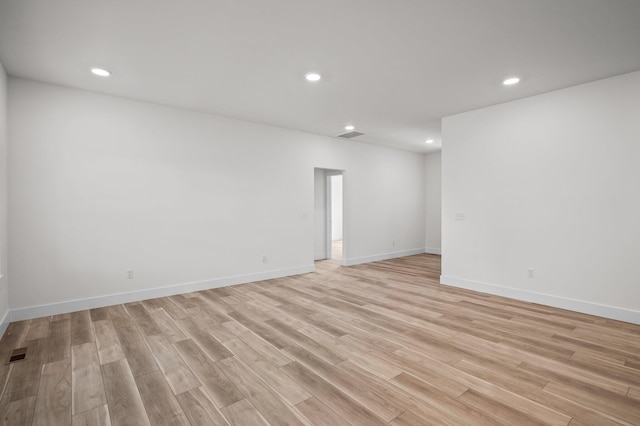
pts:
[328, 213]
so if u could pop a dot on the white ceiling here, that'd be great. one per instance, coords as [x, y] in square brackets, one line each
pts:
[393, 68]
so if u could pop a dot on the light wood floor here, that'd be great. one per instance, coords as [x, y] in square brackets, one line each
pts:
[336, 250]
[365, 345]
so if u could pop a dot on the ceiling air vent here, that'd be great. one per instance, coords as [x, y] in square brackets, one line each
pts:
[350, 135]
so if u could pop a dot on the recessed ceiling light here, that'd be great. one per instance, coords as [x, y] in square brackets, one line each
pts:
[429, 141]
[101, 72]
[312, 76]
[349, 127]
[511, 81]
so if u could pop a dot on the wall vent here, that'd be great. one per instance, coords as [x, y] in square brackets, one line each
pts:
[350, 135]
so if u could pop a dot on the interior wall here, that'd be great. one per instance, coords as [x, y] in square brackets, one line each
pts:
[4, 279]
[100, 185]
[336, 207]
[548, 183]
[320, 215]
[433, 201]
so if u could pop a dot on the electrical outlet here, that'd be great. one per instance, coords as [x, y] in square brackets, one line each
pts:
[265, 259]
[130, 274]
[393, 243]
[530, 273]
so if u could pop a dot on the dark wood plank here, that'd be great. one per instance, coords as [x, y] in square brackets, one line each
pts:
[88, 390]
[107, 342]
[173, 367]
[159, 401]
[220, 389]
[136, 351]
[53, 404]
[142, 319]
[209, 344]
[243, 413]
[81, 328]
[24, 378]
[18, 413]
[199, 409]
[332, 397]
[98, 416]
[125, 402]
[318, 413]
[59, 341]
[265, 400]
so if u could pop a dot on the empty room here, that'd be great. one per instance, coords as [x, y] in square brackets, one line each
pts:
[409, 212]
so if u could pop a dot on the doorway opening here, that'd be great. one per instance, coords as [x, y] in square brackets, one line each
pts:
[334, 216]
[329, 215]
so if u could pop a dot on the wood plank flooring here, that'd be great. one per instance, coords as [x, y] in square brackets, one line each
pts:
[374, 344]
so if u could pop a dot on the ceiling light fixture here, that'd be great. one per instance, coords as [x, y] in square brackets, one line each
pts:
[511, 81]
[101, 72]
[429, 141]
[312, 76]
[349, 127]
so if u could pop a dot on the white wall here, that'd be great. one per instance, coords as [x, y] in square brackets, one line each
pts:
[336, 207]
[319, 215]
[552, 183]
[4, 279]
[100, 185]
[433, 201]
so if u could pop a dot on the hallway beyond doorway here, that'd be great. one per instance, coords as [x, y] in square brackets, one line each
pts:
[336, 250]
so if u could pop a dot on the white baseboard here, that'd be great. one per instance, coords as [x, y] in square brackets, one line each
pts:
[4, 323]
[152, 293]
[6, 318]
[433, 250]
[383, 256]
[606, 311]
